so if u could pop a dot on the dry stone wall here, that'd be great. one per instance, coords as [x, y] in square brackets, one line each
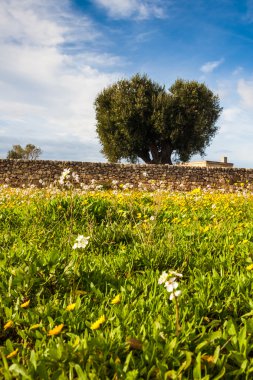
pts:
[24, 173]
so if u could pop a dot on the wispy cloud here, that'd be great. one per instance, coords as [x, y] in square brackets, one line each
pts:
[209, 67]
[238, 70]
[21, 23]
[145, 36]
[46, 88]
[138, 9]
[235, 134]
[230, 114]
[249, 14]
[245, 90]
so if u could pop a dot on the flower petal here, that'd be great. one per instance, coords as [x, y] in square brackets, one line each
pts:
[71, 307]
[8, 325]
[24, 305]
[175, 294]
[116, 299]
[56, 330]
[12, 354]
[163, 278]
[98, 323]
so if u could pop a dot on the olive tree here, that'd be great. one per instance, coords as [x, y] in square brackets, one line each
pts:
[138, 118]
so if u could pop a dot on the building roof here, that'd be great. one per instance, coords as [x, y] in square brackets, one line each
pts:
[223, 163]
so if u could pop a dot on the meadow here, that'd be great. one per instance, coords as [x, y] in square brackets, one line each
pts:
[84, 294]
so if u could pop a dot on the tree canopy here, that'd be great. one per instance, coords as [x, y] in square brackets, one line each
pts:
[138, 118]
[30, 152]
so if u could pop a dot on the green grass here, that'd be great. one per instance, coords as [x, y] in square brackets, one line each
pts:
[134, 237]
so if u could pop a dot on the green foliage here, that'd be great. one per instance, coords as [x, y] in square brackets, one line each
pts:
[133, 238]
[30, 152]
[124, 114]
[137, 118]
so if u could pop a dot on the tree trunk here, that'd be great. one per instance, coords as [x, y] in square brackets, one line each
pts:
[155, 154]
[144, 155]
[164, 155]
[158, 157]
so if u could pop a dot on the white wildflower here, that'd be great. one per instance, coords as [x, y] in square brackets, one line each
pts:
[84, 186]
[170, 281]
[75, 176]
[64, 176]
[81, 241]
[65, 173]
[175, 294]
[171, 284]
[126, 186]
[163, 278]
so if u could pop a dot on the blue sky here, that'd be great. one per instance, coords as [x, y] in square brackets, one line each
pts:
[57, 55]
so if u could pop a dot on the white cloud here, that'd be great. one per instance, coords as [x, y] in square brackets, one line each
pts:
[20, 22]
[99, 59]
[229, 114]
[47, 92]
[238, 70]
[225, 88]
[245, 90]
[138, 9]
[209, 67]
[235, 134]
[234, 139]
[144, 37]
[47, 23]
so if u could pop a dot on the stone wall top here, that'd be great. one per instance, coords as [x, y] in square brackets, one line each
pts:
[17, 173]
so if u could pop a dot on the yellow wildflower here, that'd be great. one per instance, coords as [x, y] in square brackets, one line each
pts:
[101, 319]
[249, 267]
[12, 354]
[8, 325]
[71, 307]
[98, 323]
[208, 358]
[205, 229]
[116, 299]
[56, 330]
[196, 191]
[36, 326]
[95, 325]
[25, 304]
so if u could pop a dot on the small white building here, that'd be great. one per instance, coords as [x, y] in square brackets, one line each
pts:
[210, 164]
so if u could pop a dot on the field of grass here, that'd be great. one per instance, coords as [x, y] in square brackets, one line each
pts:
[98, 312]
